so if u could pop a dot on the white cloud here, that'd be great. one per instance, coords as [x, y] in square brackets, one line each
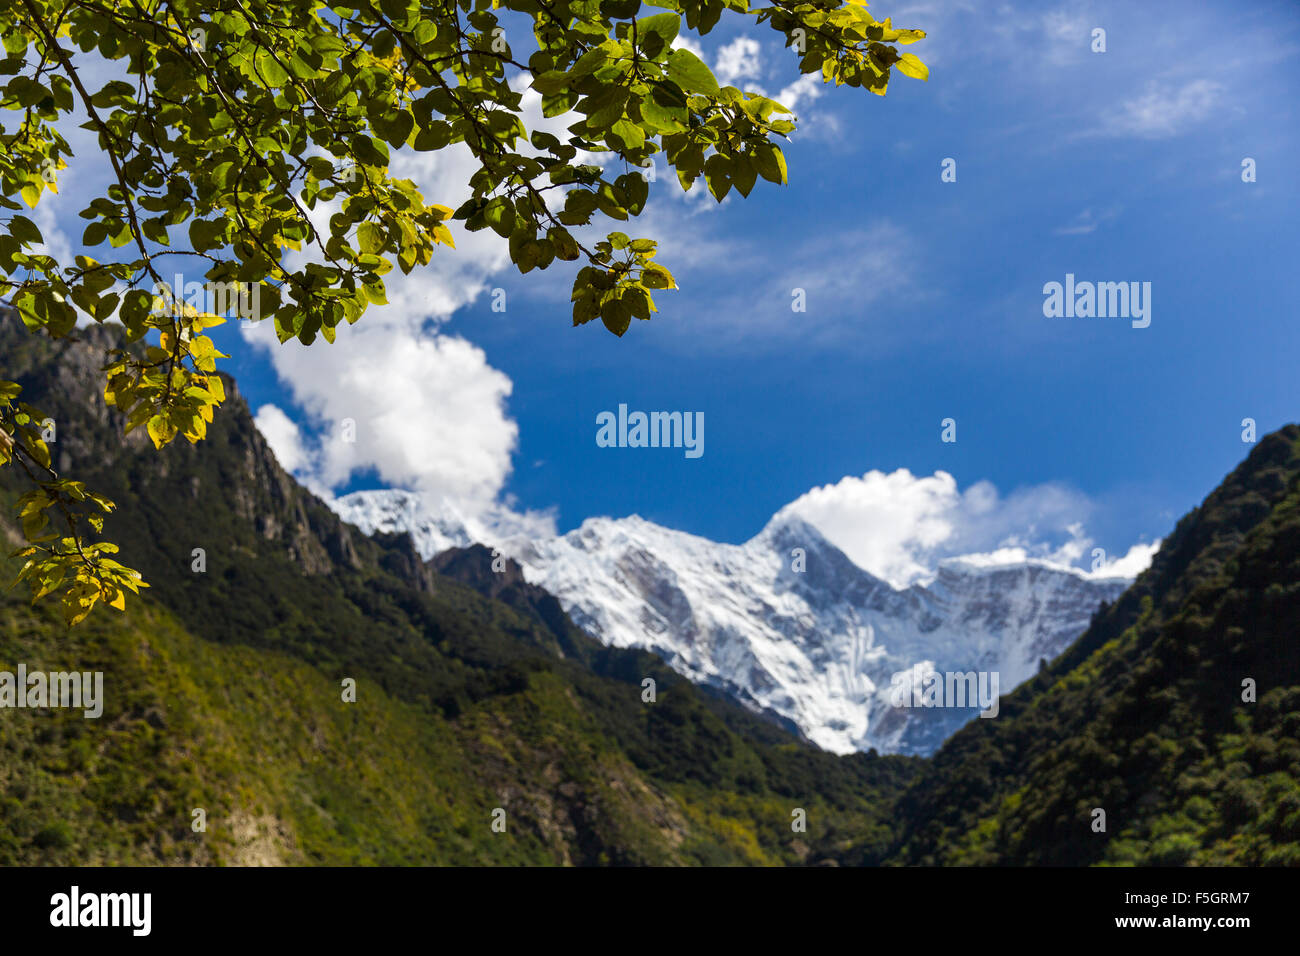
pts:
[1087, 222]
[503, 525]
[748, 308]
[684, 42]
[1165, 110]
[900, 526]
[1068, 36]
[284, 437]
[807, 87]
[884, 523]
[738, 60]
[1137, 560]
[428, 411]
[56, 242]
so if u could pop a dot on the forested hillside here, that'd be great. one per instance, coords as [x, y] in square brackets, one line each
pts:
[223, 692]
[1144, 716]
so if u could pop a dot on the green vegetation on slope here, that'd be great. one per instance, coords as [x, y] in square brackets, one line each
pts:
[224, 692]
[477, 692]
[287, 772]
[1144, 716]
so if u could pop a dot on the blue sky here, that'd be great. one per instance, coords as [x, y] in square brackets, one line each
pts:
[924, 298]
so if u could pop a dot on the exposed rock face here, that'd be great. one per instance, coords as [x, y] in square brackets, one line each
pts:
[236, 471]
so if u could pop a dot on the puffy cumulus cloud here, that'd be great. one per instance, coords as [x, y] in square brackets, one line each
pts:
[884, 523]
[684, 41]
[429, 410]
[738, 60]
[1134, 562]
[282, 434]
[740, 63]
[807, 87]
[426, 411]
[900, 526]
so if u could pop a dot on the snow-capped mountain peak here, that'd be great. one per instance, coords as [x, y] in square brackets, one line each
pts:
[786, 622]
[433, 530]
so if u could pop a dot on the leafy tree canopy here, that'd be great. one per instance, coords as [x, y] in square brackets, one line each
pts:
[226, 122]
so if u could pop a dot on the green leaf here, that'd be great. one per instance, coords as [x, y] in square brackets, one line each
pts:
[743, 173]
[394, 127]
[586, 306]
[106, 306]
[122, 237]
[25, 230]
[370, 238]
[566, 247]
[770, 163]
[552, 81]
[270, 70]
[689, 72]
[620, 9]
[663, 116]
[656, 33]
[909, 64]
[554, 104]
[639, 302]
[500, 215]
[626, 135]
[589, 62]
[616, 316]
[161, 430]
[654, 276]
[717, 173]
